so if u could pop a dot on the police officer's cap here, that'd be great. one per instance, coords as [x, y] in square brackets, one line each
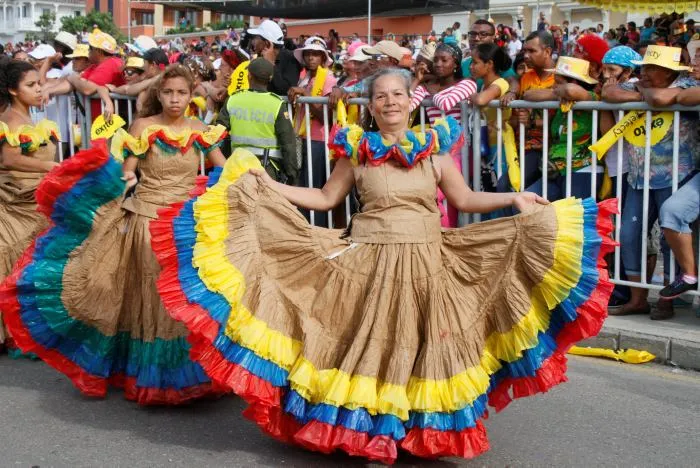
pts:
[261, 69]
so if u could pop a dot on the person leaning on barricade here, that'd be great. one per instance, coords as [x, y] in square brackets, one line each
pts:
[662, 82]
[257, 120]
[267, 41]
[155, 61]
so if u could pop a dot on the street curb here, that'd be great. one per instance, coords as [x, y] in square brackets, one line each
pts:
[675, 352]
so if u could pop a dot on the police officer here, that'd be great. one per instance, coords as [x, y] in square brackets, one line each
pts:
[258, 121]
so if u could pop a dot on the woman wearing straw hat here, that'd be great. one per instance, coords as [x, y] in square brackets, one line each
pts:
[662, 80]
[316, 81]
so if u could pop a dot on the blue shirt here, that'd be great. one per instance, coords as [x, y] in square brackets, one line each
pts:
[466, 72]
[661, 160]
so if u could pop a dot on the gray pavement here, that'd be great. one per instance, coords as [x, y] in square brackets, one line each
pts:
[609, 414]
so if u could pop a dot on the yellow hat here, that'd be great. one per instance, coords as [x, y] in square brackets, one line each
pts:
[103, 41]
[573, 68]
[80, 51]
[662, 56]
[135, 62]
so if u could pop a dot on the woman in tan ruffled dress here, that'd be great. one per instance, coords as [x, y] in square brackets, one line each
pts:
[395, 334]
[85, 298]
[27, 153]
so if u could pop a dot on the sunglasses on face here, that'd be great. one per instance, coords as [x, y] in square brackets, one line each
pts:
[131, 72]
[481, 34]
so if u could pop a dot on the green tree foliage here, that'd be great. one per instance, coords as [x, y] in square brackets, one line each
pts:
[46, 23]
[104, 21]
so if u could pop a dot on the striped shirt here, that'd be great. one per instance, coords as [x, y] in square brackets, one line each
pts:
[446, 101]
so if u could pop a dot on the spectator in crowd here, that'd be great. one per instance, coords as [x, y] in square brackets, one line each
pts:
[489, 61]
[141, 45]
[632, 34]
[648, 30]
[288, 43]
[267, 40]
[542, 23]
[155, 61]
[537, 49]
[106, 66]
[592, 49]
[599, 30]
[333, 42]
[661, 83]
[315, 81]
[483, 31]
[514, 45]
[134, 69]
[611, 38]
[447, 90]
[20, 55]
[572, 83]
[457, 33]
[519, 65]
[676, 216]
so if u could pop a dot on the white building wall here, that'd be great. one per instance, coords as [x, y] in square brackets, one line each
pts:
[18, 17]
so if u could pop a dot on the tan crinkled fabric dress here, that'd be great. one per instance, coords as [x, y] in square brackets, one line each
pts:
[398, 335]
[100, 319]
[20, 222]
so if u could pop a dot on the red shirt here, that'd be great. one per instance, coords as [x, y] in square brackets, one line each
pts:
[109, 71]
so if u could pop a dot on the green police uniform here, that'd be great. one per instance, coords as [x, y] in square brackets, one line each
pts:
[258, 121]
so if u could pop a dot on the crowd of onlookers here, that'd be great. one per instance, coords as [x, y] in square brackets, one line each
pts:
[477, 63]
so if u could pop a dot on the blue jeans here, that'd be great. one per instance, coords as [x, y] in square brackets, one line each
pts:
[556, 188]
[682, 208]
[631, 230]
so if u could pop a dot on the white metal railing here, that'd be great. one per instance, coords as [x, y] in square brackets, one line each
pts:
[471, 122]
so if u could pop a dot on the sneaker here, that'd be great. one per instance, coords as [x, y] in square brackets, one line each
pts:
[677, 288]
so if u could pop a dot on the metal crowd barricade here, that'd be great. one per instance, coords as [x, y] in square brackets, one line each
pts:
[471, 124]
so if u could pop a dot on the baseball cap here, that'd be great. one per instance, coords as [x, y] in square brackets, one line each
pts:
[157, 56]
[261, 69]
[134, 62]
[142, 44]
[388, 48]
[270, 31]
[360, 55]
[80, 51]
[67, 39]
[42, 51]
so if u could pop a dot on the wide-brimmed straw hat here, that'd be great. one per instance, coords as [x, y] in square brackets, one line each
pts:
[662, 56]
[314, 43]
[573, 68]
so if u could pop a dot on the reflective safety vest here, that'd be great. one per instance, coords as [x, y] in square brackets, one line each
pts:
[252, 116]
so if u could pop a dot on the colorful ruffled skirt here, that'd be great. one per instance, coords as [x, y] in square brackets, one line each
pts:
[369, 348]
[83, 297]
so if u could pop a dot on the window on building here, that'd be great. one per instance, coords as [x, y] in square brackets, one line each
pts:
[25, 11]
[78, 13]
[110, 5]
[97, 5]
[45, 11]
[147, 18]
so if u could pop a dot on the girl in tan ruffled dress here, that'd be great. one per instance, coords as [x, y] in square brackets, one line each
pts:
[85, 298]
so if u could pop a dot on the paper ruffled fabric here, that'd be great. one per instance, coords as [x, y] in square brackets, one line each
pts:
[150, 372]
[29, 138]
[328, 409]
[360, 147]
[124, 144]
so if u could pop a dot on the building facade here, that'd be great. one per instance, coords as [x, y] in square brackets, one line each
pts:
[18, 18]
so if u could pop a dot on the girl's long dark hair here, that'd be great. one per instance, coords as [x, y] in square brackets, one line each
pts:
[494, 53]
[11, 73]
[152, 105]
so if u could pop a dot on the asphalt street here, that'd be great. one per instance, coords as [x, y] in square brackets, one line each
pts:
[608, 414]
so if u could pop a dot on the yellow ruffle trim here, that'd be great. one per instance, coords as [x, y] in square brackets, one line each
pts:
[37, 135]
[138, 146]
[338, 388]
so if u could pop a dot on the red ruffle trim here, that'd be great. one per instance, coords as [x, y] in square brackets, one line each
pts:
[431, 443]
[195, 137]
[590, 317]
[62, 178]
[162, 396]
[87, 384]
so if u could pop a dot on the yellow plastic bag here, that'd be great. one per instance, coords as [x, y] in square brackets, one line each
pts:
[633, 128]
[630, 356]
[105, 129]
[512, 160]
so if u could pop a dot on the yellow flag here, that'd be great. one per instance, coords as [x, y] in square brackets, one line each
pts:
[630, 356]
[239, 78]
[102, 129]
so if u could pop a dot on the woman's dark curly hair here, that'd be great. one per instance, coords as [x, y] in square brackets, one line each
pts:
[11, 74]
